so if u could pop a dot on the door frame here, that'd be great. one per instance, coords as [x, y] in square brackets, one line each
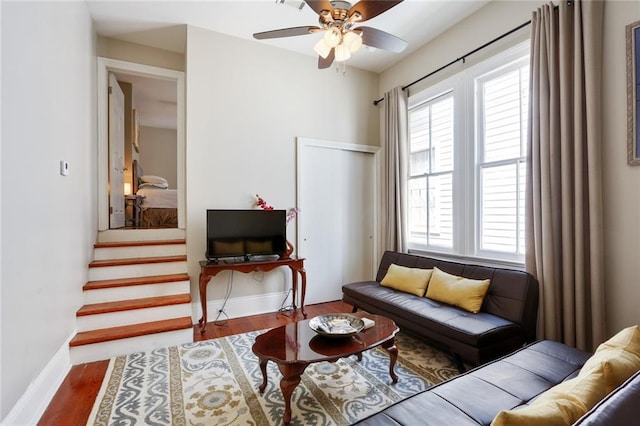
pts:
[302, 143]
[106, 65]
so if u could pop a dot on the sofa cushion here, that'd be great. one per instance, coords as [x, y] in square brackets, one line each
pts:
[458, 291]
[620, 357]
[408, 280]
[563, 404]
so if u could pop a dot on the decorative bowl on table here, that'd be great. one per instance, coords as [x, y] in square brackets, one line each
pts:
[336, 325]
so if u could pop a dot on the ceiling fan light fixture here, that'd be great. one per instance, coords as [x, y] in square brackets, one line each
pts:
[322, 48]
[352, 40]
[342, 53]
[338, 21]
[332, 37]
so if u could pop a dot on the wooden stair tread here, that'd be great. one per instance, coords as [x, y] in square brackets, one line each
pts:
[137, 261]
[127, 331]
[125, 282]
[112, 244]
[127, 305]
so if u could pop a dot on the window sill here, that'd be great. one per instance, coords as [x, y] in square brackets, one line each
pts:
[474, 260]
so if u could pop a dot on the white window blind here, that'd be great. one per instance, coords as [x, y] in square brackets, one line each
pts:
[431, 173]
[502, 120]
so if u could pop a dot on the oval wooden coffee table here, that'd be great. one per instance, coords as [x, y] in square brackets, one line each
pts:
[294, 346]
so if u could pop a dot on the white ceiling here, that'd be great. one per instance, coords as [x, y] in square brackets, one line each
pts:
[159, 23]
[416, 21]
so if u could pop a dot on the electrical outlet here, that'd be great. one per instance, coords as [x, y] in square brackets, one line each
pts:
[64, 168]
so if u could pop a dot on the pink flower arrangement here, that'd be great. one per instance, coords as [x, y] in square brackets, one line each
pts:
[291, 213]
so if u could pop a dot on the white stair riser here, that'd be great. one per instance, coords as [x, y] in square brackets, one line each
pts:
[138, 270]
[115, 294]
[133, 316]
[121, 235]
[110, 253]
[106, 350]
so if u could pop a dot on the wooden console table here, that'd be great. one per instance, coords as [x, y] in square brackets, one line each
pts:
[209, 269]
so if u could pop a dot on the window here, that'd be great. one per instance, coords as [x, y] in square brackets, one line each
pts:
[431, 172]
[502, 98]
[467, 165]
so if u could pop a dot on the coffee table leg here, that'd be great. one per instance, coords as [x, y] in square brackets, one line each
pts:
[263, 368]
[290, 379]
[390, 347]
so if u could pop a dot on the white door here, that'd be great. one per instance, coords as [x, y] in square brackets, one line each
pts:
[116, 154]
[336, 197]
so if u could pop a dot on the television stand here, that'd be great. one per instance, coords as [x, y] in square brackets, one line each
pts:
[209, 269]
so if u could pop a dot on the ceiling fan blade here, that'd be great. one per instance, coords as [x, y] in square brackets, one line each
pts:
[371, 8]
[286, 32]
[319, 5]
[382, 40]
[326, 62]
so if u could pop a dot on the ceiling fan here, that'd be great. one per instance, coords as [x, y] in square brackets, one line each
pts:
[339, 21]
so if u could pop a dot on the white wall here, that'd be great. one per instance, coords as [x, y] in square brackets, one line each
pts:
[246, 105]
[621, 183]
[490, 22]
[48, 221]
[621, 186]
[158, 148]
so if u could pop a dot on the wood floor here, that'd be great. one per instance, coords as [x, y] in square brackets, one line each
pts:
[73, 402]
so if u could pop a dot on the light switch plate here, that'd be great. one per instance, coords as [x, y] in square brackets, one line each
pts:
[64, 168]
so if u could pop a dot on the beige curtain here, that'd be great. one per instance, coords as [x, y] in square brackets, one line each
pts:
[394, 174]
[564, 190]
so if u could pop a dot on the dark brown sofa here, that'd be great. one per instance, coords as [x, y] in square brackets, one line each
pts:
[506, 321]
[477, 396]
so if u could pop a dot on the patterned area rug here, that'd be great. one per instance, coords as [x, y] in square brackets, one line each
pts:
[215, 382]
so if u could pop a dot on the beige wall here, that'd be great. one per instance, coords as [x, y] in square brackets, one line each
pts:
[158, 148]
[139, 54]
[49, 221]
[493, 20]
[244, 114]
[621, 183]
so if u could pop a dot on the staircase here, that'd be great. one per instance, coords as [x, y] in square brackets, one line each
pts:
[137, 298]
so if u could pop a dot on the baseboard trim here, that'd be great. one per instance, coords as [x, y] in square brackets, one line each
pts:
[35, 400]
[242, 306]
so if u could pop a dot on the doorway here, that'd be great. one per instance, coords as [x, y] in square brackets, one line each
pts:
[153, 80]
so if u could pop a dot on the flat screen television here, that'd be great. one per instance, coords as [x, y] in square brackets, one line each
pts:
[235, 233]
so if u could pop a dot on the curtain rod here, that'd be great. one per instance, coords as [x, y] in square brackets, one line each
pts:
[462, 58]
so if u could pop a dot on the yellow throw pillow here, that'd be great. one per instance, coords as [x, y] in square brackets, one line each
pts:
[619, 357]
[627, 339]
[408, 280]
[458, 291]
[561, 405]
